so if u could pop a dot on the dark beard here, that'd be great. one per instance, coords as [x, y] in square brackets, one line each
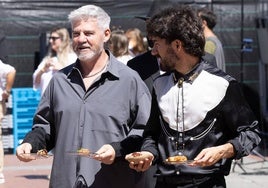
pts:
[167, 63]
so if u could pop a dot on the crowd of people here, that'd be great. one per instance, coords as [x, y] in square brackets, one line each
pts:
[158, 96]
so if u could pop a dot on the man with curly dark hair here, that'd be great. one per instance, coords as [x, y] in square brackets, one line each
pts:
[200, 120]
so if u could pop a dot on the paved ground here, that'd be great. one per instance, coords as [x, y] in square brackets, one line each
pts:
[32, 174]
[35, 174]
[251, 173]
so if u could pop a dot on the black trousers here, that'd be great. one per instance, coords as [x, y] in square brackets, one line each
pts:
[215, 181]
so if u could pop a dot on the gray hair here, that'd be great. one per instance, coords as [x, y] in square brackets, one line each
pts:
[91, 11]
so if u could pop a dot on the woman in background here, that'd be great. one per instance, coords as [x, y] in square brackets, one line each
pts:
[136, 43]
[60, 54]
[118, 45]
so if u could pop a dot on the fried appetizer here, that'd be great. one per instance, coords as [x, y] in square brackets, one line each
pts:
[83, 151]
[42, 152]
[177, 158]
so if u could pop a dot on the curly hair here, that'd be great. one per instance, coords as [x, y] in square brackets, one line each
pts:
[182, 23]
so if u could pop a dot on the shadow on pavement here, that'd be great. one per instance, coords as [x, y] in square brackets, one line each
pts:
[45, 177]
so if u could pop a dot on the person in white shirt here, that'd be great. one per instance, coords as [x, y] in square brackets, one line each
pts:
[59, 56]
[7, 77]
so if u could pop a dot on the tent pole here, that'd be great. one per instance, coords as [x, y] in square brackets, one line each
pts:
[242, 37]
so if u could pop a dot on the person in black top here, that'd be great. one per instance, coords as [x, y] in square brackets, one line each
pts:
[200, 120]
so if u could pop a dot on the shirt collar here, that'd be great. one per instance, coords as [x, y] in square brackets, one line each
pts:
[189, 77]
[111, 70]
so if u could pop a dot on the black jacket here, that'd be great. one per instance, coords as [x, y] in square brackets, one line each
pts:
[147, 66]
[214, 113]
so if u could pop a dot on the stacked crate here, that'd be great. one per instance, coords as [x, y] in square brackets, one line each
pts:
[25, 102]
[7, 128]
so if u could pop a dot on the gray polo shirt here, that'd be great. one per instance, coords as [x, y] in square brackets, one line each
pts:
[109, 111]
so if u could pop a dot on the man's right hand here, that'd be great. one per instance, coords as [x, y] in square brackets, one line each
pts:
[23, 152]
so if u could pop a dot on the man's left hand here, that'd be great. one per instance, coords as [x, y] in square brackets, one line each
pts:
[212, 155]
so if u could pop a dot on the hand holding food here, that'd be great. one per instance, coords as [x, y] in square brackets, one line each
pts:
[22, 149]
[106, 154]
[135, 157]
[140, 161]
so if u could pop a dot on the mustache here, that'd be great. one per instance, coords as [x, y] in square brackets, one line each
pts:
[81, 46]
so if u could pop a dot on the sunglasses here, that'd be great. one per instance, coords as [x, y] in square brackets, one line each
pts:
[53, 38]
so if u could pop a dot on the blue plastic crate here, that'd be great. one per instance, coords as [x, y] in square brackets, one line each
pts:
[24, 94]
[24, 105]
[25, 123]
[20, 136]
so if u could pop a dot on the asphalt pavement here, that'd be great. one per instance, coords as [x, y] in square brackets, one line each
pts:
[32, 174]
[251, 172]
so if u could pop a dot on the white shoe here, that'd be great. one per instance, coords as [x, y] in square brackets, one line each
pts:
[2, 178]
